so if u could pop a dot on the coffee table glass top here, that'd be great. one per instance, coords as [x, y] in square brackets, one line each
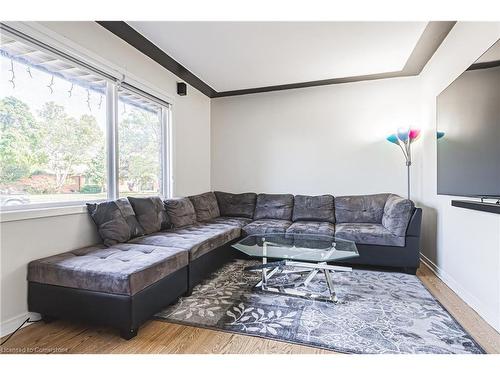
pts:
[302, 247]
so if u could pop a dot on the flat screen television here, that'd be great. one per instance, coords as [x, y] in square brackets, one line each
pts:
[468, 130]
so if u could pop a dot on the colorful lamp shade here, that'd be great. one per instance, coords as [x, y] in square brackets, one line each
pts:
[403, 134]
[404, 138]
[393, 138]
[414, 134]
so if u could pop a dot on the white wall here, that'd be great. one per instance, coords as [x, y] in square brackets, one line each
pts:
[25, 240]
[328, 139]
[463, 246]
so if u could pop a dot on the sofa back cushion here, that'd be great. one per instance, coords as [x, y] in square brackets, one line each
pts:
[151, 213]
[115, 221]
[360, 208]
[397, 214]
[206, 206]
[274, 206]
[236, 205]
[180, 211]
[314, 208]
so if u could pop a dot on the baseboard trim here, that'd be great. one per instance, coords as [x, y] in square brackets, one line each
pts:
[10, 325]
[461, 292]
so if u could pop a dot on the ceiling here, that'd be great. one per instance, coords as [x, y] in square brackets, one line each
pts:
[231, 56]
[492, 54]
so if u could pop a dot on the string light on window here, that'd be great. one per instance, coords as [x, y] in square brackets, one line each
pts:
[88, 100]
[51, 84]
[28, 70]
[11, 80]
[100, 102]
[70, 91]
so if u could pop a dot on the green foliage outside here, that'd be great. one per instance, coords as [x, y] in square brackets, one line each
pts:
[139, 140]
[91, 189]
[39, 153]
[54, 144]
[19, 141]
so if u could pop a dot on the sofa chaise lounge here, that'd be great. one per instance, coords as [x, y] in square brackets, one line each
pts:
[155, 251]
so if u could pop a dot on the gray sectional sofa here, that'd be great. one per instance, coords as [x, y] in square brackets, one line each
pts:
[155, 251]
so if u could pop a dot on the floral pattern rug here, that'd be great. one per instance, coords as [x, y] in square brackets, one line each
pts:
[379, 313]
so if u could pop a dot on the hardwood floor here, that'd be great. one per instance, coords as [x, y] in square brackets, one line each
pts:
[161, 337]
[476, 326]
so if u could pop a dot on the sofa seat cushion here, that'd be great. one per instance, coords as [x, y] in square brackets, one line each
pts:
[198, 239]
[151, 213]
[119, 269]
[267, 226]
[115, 221]
[180, 211]
[313, 208]
[206, 206]
[360, 208]
[312, 227]
[274, 206]
[239, 222]
[236, 205]
[368, 234]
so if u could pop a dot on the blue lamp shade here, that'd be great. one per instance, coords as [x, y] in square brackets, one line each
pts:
[403, 135]
[393, 139]
[439, 135]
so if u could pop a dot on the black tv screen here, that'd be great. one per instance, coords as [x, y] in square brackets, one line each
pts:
[468, 130]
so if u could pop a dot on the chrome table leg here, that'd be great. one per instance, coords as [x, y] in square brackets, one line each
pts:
[331, 288]
[267, 276]
[264, 262]
[264, 273]
[310, 277]
[296, 267]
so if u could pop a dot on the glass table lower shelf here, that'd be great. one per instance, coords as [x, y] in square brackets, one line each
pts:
[304, 255]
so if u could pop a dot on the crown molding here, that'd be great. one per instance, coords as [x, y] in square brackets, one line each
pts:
[430, 40]
[126, 32]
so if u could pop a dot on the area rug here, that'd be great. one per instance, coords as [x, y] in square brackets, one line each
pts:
[380, 313]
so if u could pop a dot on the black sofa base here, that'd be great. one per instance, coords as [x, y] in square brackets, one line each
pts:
[124, 312]
[406, 270]
[202, 267]
[405, 259]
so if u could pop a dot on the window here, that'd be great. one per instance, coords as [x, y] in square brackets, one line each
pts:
[55, 119]
[139, 145]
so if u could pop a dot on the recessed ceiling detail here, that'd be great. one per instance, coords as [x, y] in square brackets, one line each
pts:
[231, 58]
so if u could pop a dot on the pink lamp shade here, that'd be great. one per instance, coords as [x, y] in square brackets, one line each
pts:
[414, 134]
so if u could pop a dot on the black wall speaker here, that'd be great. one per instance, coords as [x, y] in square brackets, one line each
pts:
[181, 88]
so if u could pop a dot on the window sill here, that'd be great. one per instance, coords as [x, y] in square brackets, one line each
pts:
[38, 213]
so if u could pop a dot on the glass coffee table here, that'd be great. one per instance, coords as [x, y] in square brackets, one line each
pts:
[303, 254]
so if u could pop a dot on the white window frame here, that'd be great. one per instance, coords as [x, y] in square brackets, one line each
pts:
[48, 37]
[164, 116]
[166, 155]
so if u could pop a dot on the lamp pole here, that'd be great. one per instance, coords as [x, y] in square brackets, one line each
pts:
[403, 139]
[405, 147]
[408, 165]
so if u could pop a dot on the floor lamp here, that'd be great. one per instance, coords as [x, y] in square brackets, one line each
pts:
[404, 139]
